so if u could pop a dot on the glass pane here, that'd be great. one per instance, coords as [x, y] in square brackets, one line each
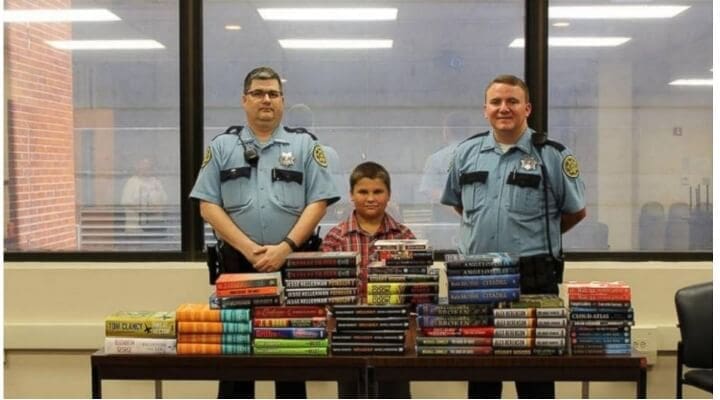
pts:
[92, 152]
[644, 144]
[404, 106]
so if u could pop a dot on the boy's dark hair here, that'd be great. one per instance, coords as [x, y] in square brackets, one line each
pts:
[370, 170]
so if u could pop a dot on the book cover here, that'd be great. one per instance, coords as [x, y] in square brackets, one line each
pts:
[203, 312]
[133, 345]
[290, 312]
[159, 324]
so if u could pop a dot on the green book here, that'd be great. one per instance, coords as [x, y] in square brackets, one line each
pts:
[292, 351]
[285, 343]
[156, 324]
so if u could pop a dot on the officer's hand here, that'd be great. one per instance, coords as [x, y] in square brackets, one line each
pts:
[273, 257]
[256, 255]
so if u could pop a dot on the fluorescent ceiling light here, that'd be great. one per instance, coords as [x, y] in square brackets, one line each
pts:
[105, 44]
[691, 82]
[336, 43]
[615, 12]
[328, 14]
[231, 27]
[589, 41]
[59, 15]
[561, 24]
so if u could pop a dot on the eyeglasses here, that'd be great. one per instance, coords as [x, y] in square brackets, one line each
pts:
[260, 94]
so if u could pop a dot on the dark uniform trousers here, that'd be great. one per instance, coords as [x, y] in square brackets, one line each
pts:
[538, 275]
[233, 262]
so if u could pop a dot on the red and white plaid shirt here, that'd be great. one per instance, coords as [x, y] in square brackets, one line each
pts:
[348, 236]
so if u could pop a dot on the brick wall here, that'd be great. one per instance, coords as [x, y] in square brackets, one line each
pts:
[41, 169]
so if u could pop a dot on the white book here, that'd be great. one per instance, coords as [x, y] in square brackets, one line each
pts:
[133, 345]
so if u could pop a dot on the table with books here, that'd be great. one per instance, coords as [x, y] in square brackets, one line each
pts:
[326, 318]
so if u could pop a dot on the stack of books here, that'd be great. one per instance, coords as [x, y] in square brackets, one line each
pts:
[290, 330]
[321, 278]
[369, 330]
[534, 325]
[454, 329]
[601, 317]
[482, 278]
[246, 290]
[202, 330]
[140, 332]
[401, 273]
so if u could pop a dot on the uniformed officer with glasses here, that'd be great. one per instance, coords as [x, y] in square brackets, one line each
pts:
[263, 188]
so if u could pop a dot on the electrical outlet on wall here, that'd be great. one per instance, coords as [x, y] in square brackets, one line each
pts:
[644, 340]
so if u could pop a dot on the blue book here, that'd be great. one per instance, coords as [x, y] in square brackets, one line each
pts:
[483, 281]
[481, 260]
[482, 295]
[290, 333]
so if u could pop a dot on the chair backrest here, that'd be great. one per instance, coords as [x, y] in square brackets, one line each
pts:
[694, 306]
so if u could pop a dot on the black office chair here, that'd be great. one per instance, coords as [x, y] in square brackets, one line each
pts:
[694, 306]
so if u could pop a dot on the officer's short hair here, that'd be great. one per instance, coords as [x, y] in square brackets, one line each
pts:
[370, 170]
[511, 80]
[263, 73]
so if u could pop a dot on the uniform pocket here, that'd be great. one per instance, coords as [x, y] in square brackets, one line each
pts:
[236, 194]
[288, 193]
[526, 200]
[473, 190]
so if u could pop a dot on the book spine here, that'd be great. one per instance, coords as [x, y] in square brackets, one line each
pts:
[250, 291]
[403, 278]
[320, 273]
[227, 315]
[454, 309]
[263, 342]
[322, 300]
[404, 255]
[207, 348]
[145, 328]
[401, 288]
[300, 293]
[427, 321]
[400, 299]
[339, 325]
[221, 284]
[601, 340]
[214, 338]
[453, 341]
[319, 283]
[530, 332]
[576, 329]
[479, 331]
[597, 323]
[367, 350]
[394, 270]
[544, 351]
[601, 316]
[320, 262]
[290, 333]
[125, 345]
[454, 351]
[483, 281]
[371, 312]
[370, 338]
[289, 312]
[214, 327]
[399, 262]
[313, 322]
[482, 271]
[482, 295]
[530, 322]
[309, 351]
[603, 304]
[238, 302]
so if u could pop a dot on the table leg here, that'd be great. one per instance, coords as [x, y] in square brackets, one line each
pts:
[96, 384]
[158, 389]
[642, 384]
[585, 391]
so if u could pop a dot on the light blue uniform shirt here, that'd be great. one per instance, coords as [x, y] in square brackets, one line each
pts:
[499, 216]
[265, 201]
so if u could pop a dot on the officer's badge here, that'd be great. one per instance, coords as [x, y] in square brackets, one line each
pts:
[287, 159]
[319, 156]
[207, 158]
[571, 167]
[528, 163]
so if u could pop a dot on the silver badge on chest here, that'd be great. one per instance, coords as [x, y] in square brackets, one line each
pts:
[528, 163]
[287, 159]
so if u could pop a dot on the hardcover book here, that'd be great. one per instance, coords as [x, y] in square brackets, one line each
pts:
[158, 324]
[319, 258]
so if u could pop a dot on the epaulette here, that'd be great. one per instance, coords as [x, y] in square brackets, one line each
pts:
[557, 145]
[231, 130]
[476, 135]
[299, 130]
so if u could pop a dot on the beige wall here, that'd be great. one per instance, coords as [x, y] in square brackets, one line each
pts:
[54, 318]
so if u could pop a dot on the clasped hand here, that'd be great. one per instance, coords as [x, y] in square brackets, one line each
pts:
[270, 258]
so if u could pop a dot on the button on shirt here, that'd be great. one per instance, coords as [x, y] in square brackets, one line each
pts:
[498, 216]
[263, 204]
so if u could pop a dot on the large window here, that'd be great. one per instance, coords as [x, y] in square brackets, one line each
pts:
[642, 132]
[405, 105]
[92, 156]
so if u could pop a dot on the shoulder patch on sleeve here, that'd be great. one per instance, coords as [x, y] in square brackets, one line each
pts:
[207, 158]
[571, 168]
[319, 155]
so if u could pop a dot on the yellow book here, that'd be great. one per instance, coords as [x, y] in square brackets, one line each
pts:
[156, 324]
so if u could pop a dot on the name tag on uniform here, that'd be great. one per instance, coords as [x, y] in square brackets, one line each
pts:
[234, 173]
[286, 175]
[523, 180]
[468, 178]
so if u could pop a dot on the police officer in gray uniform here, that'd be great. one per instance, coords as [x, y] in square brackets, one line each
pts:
[517, 192]
[263, 188]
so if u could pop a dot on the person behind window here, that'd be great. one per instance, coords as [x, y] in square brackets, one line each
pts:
[517, 193]
[370, 194]
[263, 189]
[141, 196]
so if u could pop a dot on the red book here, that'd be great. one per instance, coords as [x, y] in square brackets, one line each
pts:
[289, 312]
[247, 280]
[481, 331]
[248, 292]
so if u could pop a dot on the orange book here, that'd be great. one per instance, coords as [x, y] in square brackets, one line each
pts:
[207, 348]
[248, 292]
[203, 312]
[214, 338]
[213, 327]
[247, 280]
